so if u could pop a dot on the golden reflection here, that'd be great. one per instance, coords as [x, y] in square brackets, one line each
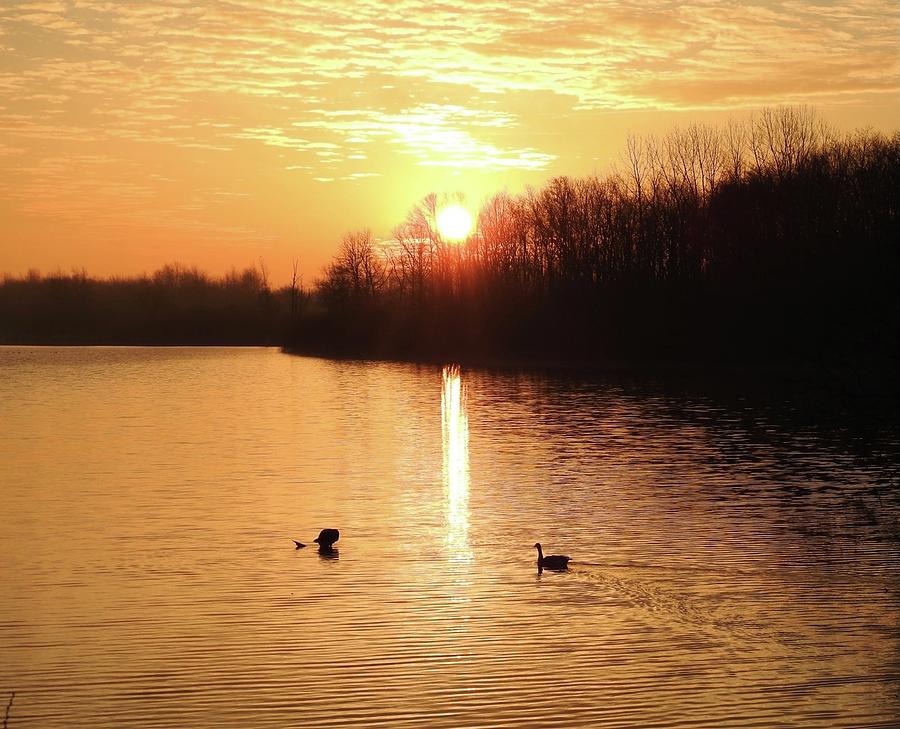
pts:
[455, 436]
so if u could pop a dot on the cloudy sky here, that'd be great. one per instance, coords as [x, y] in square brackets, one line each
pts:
[216, 133]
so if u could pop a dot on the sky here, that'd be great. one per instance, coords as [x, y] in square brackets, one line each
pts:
[222, 133]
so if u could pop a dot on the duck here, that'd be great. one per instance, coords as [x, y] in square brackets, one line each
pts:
[300, 545]
[326, 538]
[552, 561]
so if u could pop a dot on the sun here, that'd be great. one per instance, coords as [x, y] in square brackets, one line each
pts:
[454, 222]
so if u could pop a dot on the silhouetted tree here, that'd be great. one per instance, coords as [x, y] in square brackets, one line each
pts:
[772, 239]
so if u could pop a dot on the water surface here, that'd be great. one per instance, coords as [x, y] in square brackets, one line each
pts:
[735, 559]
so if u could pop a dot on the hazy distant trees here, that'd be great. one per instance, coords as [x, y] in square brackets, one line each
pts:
[173, 305]
[771, 238]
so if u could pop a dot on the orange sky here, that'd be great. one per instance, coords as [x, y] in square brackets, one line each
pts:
[218, 133]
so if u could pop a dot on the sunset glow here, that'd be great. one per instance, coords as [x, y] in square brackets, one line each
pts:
[252, 251]
[454, 222]
[216, 134]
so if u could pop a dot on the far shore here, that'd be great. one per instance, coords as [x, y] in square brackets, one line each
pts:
[878, 375]
[874, 379]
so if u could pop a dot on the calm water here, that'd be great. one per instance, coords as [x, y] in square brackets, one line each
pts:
[735, 561]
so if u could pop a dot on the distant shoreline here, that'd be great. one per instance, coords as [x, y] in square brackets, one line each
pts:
[854, 381]
[876, 379]
[144, 345]
[472, 360]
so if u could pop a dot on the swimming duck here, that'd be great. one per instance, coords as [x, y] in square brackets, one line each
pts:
[300, 545]
[551, 561]
[326, 538]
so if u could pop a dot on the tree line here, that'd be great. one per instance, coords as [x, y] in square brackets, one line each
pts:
[174, 305]
[762, 241]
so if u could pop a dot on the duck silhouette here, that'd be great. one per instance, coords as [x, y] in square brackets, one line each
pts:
[557, 562]
[326, 540]
[327, 537]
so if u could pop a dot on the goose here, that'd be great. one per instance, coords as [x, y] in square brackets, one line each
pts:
[552, 561]
[326, 538]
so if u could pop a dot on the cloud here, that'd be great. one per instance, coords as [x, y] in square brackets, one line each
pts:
[436, 135]
[614, 55]
[344, 91]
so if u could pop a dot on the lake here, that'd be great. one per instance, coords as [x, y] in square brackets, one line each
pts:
[735, 549]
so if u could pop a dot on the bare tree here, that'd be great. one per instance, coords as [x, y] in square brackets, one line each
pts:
[263, 276]
[296, 289]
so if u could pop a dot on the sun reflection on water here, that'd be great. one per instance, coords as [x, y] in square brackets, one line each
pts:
[455, 437]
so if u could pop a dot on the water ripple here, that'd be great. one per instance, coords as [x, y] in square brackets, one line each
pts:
[736, 558]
